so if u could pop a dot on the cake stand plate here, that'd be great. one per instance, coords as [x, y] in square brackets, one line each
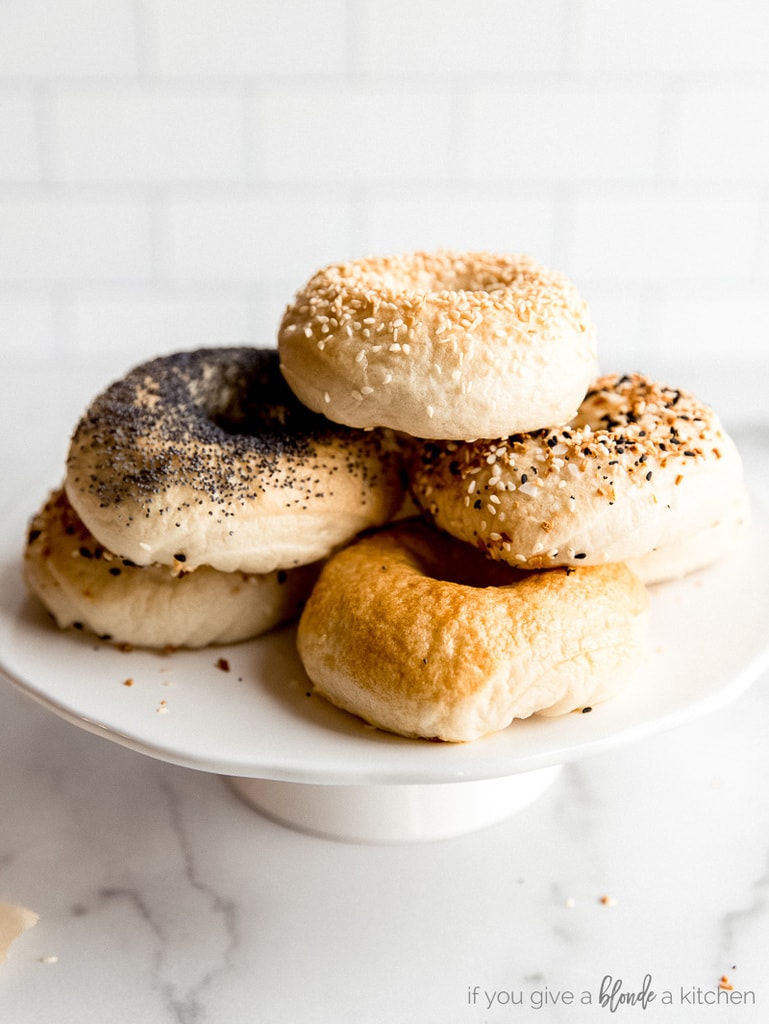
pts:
[248, 711]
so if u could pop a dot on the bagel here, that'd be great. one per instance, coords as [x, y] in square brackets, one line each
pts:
[207, 458]
[449, 345]
[420, 635]
[645, 473]
[86, 587]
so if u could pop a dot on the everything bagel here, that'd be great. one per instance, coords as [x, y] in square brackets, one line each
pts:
[645, 473]
[449, 345]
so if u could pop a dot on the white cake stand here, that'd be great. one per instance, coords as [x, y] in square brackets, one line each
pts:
[248, 711]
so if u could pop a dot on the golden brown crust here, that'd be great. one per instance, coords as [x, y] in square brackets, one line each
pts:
[421, 635]
[86, 587]
[440, 345]
[208, 454]
[641, 469]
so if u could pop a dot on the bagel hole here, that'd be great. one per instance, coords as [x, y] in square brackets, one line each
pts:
[242, 409]
[237, 410]
[476, 570]
[453, 561]
[459, 277]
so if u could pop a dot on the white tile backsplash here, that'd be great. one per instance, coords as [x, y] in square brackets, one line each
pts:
[558, 133]
[173, 170]
[686, 37]
[762, 245]
[19, 151]
[51, 38]
[71, 239]
[149, 134]
[496, 37]
[726, 327]
[246, 38]
[255, 239]
[725, 134]
[671, 236]
[355, 135]
[27, 327]
[444, 217]
[143, 324]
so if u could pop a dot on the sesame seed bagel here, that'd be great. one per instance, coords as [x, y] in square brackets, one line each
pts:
[207, 458]
[419, 634]
[86, 587]
[439, 345]
[644, 473]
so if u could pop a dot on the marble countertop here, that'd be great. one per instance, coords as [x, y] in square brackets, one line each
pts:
[642, 873]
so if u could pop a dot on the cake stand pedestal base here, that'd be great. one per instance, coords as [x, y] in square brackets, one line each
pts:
[394, 813]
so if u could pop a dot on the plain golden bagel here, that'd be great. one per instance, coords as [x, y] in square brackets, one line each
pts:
[86, 587]
[455, 345]
[207, 458]
[645, 474]
[420, 635]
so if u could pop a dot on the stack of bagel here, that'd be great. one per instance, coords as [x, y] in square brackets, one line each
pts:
[200, 499]
[428, 471]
